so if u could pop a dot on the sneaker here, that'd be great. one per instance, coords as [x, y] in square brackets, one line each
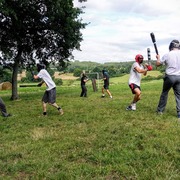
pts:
[133, 106]
[178, 116]
[129, 108]
[102, 96]
[159, 112]
[110, 97]
[7, 115]
[44, 114]
[61, 112]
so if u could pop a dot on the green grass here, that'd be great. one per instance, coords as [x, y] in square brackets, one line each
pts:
[95, 138]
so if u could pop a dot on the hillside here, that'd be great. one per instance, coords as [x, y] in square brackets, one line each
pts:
[68, 77]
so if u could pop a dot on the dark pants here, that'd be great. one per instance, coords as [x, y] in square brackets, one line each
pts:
[84, 91]
[170, 81]
[3, 108]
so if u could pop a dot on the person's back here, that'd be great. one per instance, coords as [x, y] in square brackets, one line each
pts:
[172, 62]
[172, 76]
[46, 78]
[106, 78]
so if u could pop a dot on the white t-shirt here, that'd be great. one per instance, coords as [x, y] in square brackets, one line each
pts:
[172, 62]
[43, 74]
[135, 77]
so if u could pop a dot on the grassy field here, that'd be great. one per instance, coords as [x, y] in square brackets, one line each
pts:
[95, 138]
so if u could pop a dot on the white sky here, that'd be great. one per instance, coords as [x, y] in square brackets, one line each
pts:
[120, 29]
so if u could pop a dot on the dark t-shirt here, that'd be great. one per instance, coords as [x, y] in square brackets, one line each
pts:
[106, 81]
[82, 80]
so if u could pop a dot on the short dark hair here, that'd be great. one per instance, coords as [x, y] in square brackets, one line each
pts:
[174, 44]
[40, 66]
[103, 71]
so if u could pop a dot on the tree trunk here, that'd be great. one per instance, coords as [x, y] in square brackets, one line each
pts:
[14, 78]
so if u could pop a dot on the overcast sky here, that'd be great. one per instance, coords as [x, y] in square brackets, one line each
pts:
[120, 29]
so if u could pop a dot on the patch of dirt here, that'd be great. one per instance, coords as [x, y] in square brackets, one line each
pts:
[65, 76]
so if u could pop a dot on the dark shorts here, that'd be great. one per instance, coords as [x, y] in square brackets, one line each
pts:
[106, 86]
[133, 87]
[49, 96]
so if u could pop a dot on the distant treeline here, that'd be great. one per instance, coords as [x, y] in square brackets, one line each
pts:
[115, 69]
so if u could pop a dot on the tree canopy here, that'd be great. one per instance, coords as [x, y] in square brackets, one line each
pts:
[43, 30]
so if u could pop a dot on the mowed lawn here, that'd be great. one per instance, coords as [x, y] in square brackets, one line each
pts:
[96, 138]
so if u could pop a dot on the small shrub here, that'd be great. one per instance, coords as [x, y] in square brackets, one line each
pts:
[150, 78]
[25, 80]
[58, 82]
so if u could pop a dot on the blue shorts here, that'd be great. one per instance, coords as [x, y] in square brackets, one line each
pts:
[133, 87]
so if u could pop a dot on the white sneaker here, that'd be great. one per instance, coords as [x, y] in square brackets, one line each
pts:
[133, 106]
[111, 97]
[61, 112]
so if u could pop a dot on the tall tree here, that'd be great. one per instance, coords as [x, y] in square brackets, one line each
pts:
[47, 30]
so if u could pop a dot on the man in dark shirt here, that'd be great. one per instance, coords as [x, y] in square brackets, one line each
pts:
[106, 84]
[84, 79]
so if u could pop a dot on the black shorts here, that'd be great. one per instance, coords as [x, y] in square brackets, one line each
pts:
[133, 87]
[49, 96]
[106, 86]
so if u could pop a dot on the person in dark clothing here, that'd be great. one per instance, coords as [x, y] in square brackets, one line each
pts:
[106, 84]
[3, 109]
[84, 79]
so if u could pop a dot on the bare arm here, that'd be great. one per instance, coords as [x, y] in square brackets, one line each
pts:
[139, 70]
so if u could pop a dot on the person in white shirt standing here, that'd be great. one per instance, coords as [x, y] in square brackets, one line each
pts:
[50, 93]
[172, 76]
[136, 71]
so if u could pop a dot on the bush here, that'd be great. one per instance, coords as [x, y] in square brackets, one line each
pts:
[58, 82]
[25, 80]
[5, 75]
[150, 78]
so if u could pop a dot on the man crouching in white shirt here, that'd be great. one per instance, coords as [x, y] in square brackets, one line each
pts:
[50, 93]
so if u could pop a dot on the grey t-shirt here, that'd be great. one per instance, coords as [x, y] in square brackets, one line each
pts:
[172, 62]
